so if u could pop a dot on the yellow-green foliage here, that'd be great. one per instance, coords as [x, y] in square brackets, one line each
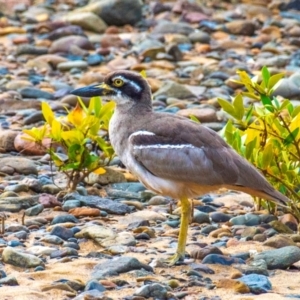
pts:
[78, 134]
[267, 132]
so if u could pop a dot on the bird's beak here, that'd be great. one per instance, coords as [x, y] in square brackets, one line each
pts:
[101, 89]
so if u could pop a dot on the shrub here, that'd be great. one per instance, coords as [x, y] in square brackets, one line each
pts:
[266, 132]
[78, 135]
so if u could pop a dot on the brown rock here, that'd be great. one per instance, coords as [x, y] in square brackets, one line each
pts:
[240, 27]
[290, 221]
[279, 241]
[204, 115]
[236, 274]
[237, 286]
[65, 44]
[200, 253]
[7, 139]
[85, 212]
[29, 147]
[218, 231]
[89, 78]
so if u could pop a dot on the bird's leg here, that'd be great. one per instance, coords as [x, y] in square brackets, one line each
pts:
[184, 224]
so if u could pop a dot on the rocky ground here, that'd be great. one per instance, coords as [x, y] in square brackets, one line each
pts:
[108, 241]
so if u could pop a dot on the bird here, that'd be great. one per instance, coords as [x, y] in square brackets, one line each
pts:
[170, 154]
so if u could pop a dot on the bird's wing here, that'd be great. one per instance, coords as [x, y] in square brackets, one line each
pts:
[178, 149]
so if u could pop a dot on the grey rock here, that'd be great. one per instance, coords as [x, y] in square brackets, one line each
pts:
[174, 90]
[35, 210]
[68, 65]
[279, 241]
[69, 204]
[9, 280]
[33, 118]
[19, 259]
[31, 49]
[247, 219]
[155, 290]
[17, 188]
[52, 239]
[30, 92]
[200, 217]
[64, 252]
[91, 294]
[281, 258]
[115, 12]
[258, 284]
[105, 204]
[199, 37]
[15, 204]
[21, 165]
[164, 27]
[119, 265]
[62, 232]
[50, 189]
[64, 219]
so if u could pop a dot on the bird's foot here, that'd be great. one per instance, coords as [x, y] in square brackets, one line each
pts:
[174, 259]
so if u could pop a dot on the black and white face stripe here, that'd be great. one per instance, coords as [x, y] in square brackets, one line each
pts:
[133, 84]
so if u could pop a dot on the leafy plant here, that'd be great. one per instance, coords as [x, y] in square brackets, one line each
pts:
[266, 132]
[78, 135]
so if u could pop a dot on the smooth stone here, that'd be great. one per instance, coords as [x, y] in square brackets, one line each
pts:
[71, 245]
[51, 189]
[258, 284]
[117, 266]
[110, 176]
[31, 49]
[92, 294]
[108, 205]
[202, 268]
[281, 258]
[33, 118]
[267, 218]
[14, 243]
[94, 285]
[290, 221]
[174, 90]
[64, 219]
[22, 165]
[96, 232]
[247, 219]
[9, 280]
[95, 59]
[240, 27]
[62, 232]
[202, 114]
[52, 239]
[200, 253]
[201, 217]
[7, 138]
[35, 210]
[68, 65]
[221, 259]
[16, 188]
[206, 208]
[280, 227]
[279, 241]
[85, 212]
[20, 259]
[31, 92]
[164, 27]
[144, 215]
[199, 37]
[15, 204]
[208, 229]
[65, 252]
[40, 250]
[48, 200]
[68, 43]
[155, 290]
[249, 232]
[158, 200]
[220, 217]
[87, 21]
[114, 12]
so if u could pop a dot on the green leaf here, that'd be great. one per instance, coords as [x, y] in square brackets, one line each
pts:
[296, 111]
[265, 75]
[267, 156]
[193, 118]
[274, 79]
[249, 114]
[238, 105]
[227, 107]
[291, 137]
[249, 148]
[267, 102]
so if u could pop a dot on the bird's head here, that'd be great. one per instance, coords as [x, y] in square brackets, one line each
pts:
[124, 87]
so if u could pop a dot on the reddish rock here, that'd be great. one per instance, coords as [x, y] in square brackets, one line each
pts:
[49, 200]
[85, 212]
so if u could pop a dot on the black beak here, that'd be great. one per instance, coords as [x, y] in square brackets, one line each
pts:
[101, 89]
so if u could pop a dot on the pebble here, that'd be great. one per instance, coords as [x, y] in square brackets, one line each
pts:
[20, 259]
[62, 232]
[119, 265]
[221, 259]
[257, 284]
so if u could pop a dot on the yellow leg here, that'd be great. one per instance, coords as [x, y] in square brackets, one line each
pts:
[184, 224]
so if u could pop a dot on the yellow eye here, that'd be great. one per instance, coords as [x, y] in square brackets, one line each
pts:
[118, 82]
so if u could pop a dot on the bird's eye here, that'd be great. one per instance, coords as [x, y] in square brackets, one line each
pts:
[118, 82]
